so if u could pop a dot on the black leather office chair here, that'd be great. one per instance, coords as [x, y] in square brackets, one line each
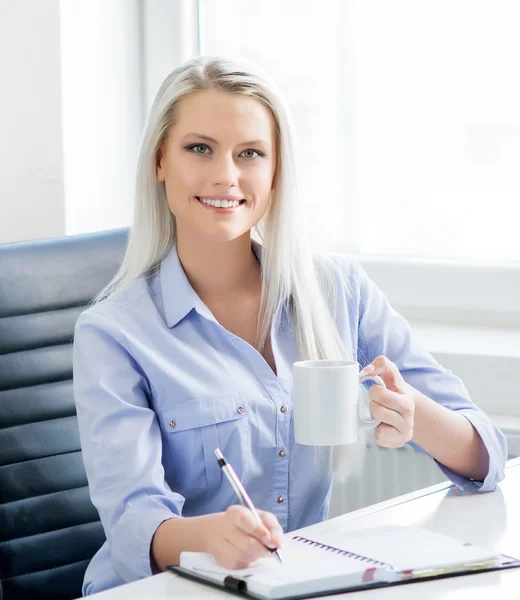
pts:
[49, 530]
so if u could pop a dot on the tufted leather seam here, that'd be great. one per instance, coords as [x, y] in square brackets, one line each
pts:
[77, 562]
[79, 487]
[35, 535]
[64, 344]
[6, 389]
[72, 414]
[33, 385]
[42, 421]
[68, 342]
[42, 312]
[21, 462]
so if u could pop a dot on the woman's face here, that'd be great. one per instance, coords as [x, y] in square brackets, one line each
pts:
[218, 164]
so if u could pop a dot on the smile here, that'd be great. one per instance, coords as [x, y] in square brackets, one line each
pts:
[222, 205]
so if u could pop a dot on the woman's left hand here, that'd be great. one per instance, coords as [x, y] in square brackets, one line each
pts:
[394, 406]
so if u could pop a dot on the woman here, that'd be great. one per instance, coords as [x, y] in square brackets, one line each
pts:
[192, 345]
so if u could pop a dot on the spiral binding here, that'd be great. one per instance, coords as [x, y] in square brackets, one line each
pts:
[365, 559]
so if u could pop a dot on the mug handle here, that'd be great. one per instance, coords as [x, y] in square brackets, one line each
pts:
[370, 423]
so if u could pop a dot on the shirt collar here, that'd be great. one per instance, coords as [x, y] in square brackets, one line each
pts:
[179, 298]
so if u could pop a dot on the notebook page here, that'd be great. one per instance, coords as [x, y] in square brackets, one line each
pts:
[408, 547]
[304, 569]
[297, 557]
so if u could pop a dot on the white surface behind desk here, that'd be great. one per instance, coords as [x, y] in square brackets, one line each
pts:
[491, 520]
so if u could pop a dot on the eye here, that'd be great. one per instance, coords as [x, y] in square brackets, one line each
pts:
[199, 148]
[250, 153]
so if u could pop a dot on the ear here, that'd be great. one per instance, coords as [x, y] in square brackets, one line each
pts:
[275, 175]
[159, 171]
[274, 181]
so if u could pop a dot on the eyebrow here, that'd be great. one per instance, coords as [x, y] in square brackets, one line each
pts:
[214, 141]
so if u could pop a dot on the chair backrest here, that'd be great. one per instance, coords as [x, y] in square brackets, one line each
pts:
[49, 529]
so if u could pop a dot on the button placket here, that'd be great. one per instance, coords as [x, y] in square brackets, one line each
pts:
[280, 482]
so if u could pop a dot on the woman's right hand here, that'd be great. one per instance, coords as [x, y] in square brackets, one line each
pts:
[236, 539]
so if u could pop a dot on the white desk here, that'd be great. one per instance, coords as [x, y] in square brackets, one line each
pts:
[491, 520]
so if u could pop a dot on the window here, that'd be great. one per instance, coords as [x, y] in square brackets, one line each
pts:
[408, 115]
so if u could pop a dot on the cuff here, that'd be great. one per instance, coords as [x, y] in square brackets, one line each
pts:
[496, 445]
[131, 543]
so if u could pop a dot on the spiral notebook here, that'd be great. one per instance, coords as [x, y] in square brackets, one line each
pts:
[369, 558]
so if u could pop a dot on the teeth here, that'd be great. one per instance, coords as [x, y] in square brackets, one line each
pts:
[220, 203]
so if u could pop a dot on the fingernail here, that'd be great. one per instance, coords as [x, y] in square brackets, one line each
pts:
[267, 541]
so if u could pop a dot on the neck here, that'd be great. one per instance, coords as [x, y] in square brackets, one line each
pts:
[218, 269]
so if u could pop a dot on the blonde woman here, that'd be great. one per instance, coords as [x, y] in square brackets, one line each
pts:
[191, 346]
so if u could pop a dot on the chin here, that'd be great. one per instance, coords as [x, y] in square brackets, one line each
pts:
[223, 235]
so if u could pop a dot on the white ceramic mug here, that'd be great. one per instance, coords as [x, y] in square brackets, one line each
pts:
[326, 402]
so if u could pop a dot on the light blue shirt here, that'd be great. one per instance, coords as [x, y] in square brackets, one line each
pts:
[159, 384]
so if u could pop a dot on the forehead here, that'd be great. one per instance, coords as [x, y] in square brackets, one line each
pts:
[220, 114]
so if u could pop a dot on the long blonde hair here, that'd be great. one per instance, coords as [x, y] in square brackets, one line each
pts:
[291, 277]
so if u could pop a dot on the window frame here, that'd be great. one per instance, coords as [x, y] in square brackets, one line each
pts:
[421, 288]
[447, 290]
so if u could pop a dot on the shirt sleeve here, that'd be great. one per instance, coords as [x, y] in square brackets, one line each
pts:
[383, 331]
[121, 444]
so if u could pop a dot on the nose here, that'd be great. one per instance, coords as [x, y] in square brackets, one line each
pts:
[226, 172]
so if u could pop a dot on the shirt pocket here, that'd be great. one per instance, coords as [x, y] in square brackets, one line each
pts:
[196, 427]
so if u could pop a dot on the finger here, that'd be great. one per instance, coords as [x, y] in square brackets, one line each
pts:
[404, 423]
[389, 417]
[388, 372]
[400, 403]
[391, 445]
[385, 434]
[382, 364]
[244, 519]
[273, 525]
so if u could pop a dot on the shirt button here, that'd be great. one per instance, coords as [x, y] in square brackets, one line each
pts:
[240, 410]
[282, 453]
[280, 499]
[172, 423]
[283, 409]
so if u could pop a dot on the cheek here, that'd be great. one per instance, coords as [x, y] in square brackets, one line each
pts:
[181, 183]
[263, 179]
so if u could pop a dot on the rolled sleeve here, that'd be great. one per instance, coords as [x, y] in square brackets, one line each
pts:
[383, 331]
[136, 530]
[496, 445]
[121, 444]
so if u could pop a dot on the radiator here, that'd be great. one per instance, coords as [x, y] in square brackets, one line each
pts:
[392, 472]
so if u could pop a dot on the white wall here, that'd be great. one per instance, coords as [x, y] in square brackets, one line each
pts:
[114, 56]
[71, 115]
[169, 37]
[103, 111]
[31, 176]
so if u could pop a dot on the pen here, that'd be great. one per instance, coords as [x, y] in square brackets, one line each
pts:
[240, 491]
